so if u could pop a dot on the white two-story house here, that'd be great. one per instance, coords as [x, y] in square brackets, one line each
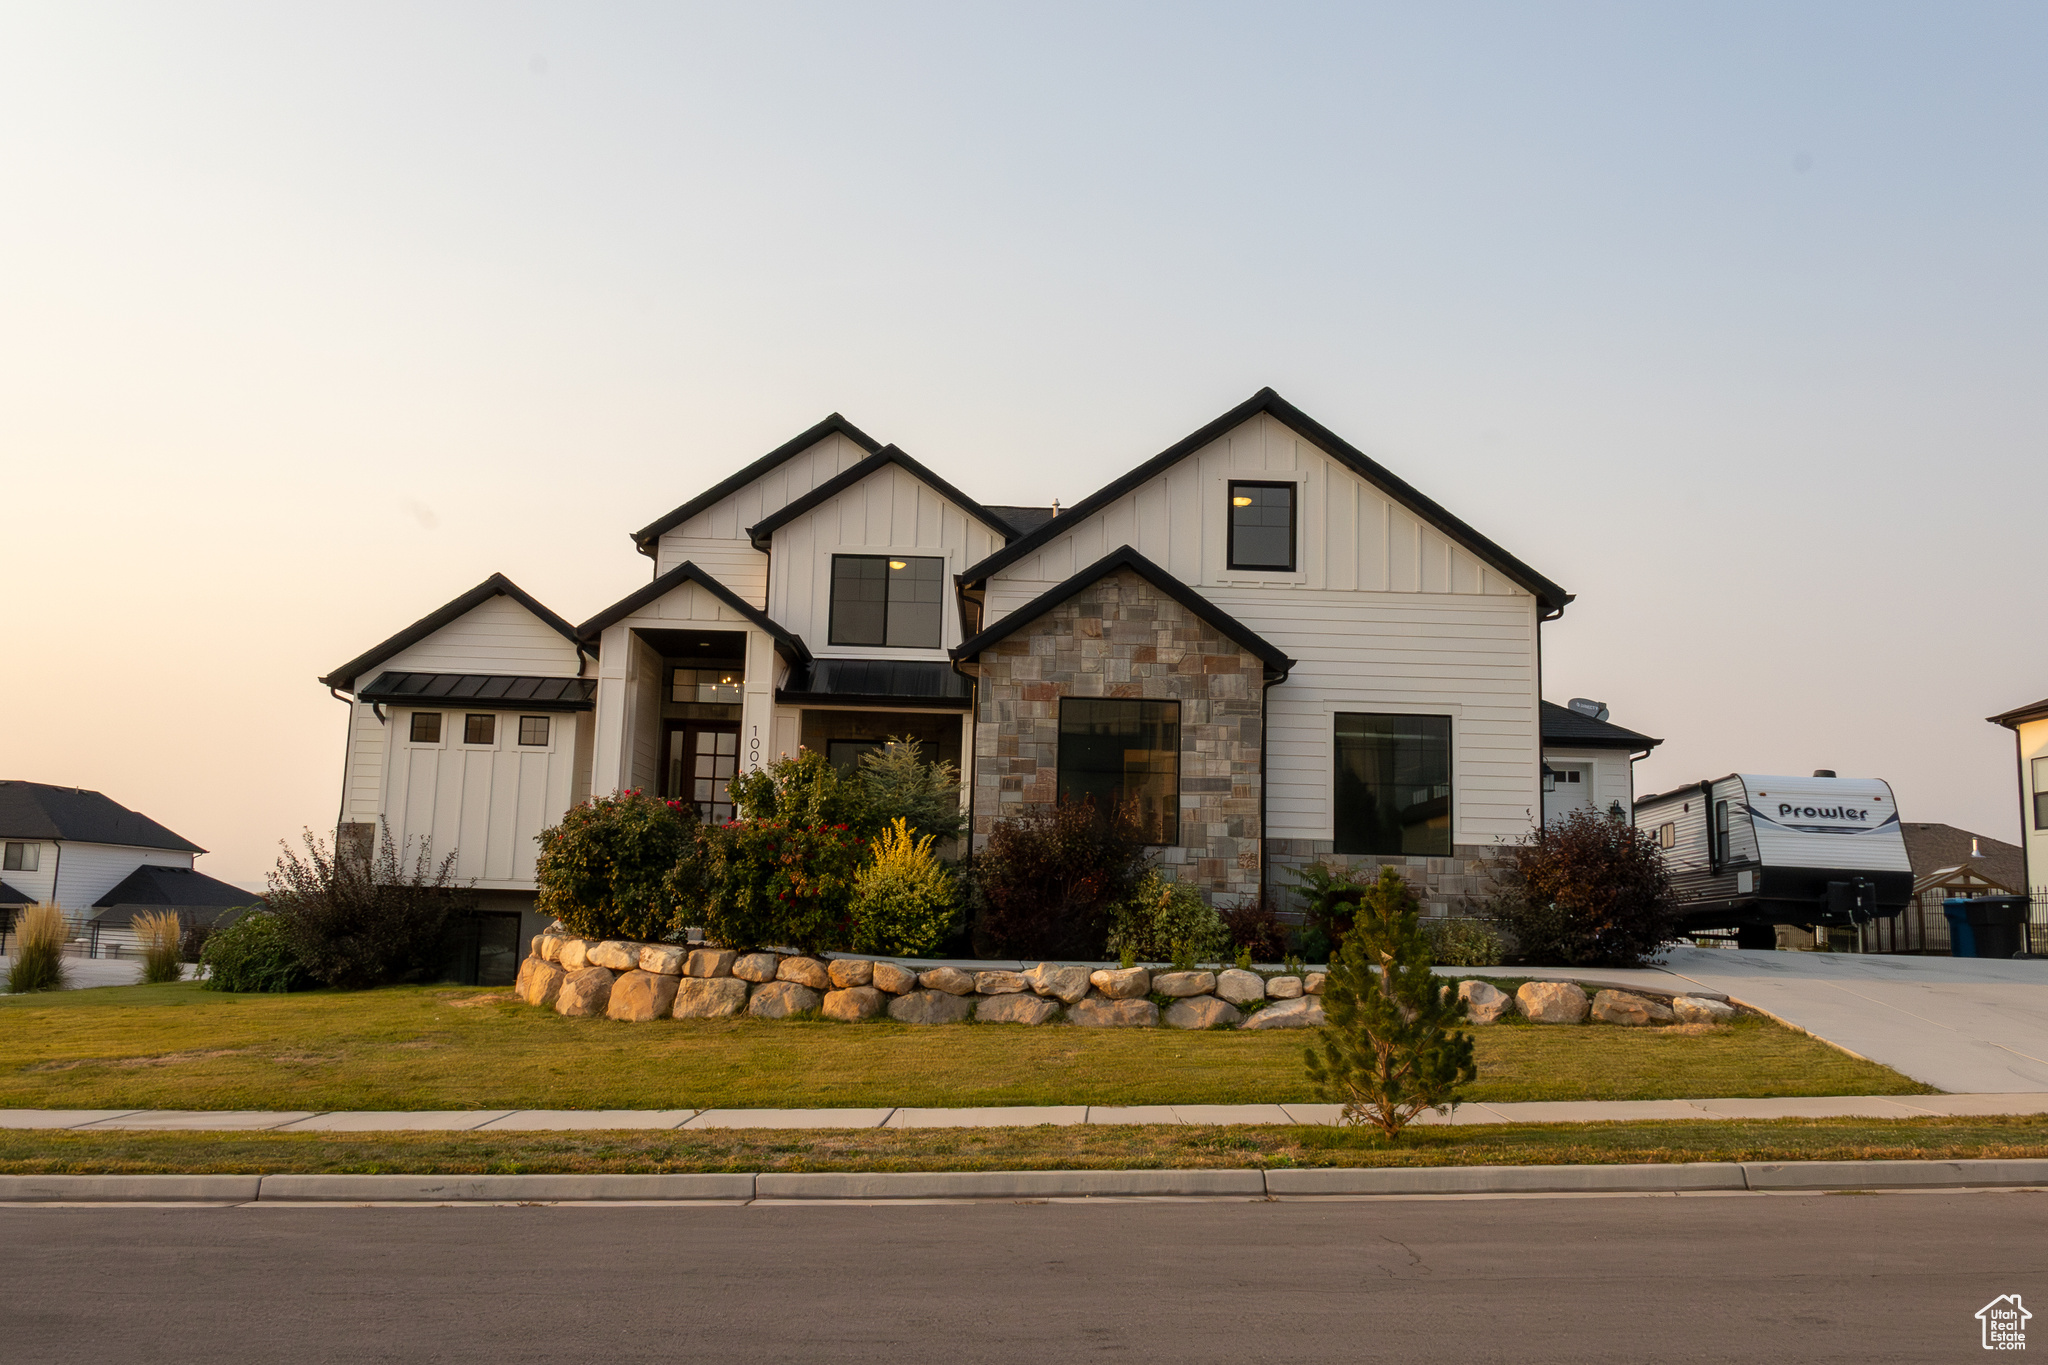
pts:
[1279, 649]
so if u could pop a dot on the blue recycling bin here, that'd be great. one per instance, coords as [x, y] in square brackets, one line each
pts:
[1986, 926]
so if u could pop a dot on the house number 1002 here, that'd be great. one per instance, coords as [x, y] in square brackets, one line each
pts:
[754, 748]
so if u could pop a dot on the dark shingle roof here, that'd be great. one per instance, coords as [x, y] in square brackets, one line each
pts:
[1932, 847]
[1024, 519]
[165, 888]
[904, 682]
[1567, 728]
[10, 896]
[497, 585]
[34, 810]
[645, 537]
[536, 694]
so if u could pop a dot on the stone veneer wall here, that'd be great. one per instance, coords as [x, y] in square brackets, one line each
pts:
[1443, 885]
[1121, 637]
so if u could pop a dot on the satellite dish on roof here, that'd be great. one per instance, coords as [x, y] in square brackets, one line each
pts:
[1586, 706]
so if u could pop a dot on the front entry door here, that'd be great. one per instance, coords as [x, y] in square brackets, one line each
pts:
[703, 757]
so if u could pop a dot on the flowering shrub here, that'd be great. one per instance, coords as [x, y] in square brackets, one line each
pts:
[609, 870]
[903, 898]
[768, 883]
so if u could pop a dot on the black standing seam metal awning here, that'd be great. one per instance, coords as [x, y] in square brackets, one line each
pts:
[483, 689]
[919, 683]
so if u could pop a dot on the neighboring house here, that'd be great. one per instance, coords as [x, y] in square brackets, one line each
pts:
[1947, 862]
[99, 862]
[1589, 763]
[1276, 647]
[2029, 726]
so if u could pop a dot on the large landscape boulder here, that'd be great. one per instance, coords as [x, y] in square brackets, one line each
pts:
[1485, 1004]
[894, 979]
[585, 992]
[1201, 1011]
[664, 959]
[1284, 988]
[805, 971]
[1094, 1013]
[1552, 1002]
[571, 954]
[851, 1004]
[1312, 983]
[1240, 987]
[550, 949]
[1065, 984]
[1122, 983]
[1629, 1009]
[1183, 983]
[1016, 1007]
[1303, 1011]
[719, 997]
[708, 962]
[780, 999]
[614, 953]
[755, 966]
[930, 1007]
[1000, 983]
[638, 996]
[543, 984]
[951, 980]
[1698, 1009]
[848, 972]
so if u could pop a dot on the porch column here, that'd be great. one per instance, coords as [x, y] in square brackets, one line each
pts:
[757, 703]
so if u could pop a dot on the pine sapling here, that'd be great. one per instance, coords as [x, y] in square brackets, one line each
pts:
[1391, 1047]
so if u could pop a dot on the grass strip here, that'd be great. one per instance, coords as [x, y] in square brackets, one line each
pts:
[440, 1047]
[1084, 1147]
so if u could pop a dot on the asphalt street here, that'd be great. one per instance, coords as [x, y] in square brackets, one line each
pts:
[1843, 1277]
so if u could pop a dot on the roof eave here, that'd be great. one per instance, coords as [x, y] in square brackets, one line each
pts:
[761, 533]
[497, 585]
[644, 539]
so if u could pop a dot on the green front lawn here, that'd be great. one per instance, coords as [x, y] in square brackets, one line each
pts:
[441, 1047]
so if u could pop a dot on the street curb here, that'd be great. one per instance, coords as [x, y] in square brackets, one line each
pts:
[1661, 1178]
[39, 1189]
[448, 1189]
[1811, 1177]
[1005, 1184]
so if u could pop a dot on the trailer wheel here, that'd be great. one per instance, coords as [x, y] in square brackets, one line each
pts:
[1764, 936]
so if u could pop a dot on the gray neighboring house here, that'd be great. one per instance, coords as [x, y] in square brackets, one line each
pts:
[100, 863]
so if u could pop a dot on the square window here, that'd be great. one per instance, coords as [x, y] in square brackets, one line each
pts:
[426, 727]
[479, 729]
[1262, 526]
[23, 857]
[1117, 751]
[533, 729]
[896, 603]
[1393, 789]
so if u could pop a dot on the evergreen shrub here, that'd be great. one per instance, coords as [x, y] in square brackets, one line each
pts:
[252, 954]
[770, 884]
[904, 899]
[610, 869]
[1167, 921]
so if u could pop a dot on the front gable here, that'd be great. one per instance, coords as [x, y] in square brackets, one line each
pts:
[495, 627]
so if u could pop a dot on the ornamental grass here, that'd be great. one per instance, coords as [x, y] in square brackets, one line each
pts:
[38, 951]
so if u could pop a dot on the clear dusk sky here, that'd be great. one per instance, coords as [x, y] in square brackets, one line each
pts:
[1730, 318]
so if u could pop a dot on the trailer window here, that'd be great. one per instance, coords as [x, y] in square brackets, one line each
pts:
[1720, 831]
[2041, 793]
[1667, 835]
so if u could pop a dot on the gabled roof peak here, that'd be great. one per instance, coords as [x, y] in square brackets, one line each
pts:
[497, 585]
[761, 532]
[833, 425]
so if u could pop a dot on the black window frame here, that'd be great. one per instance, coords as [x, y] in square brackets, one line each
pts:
[1293, 526]
[1345, 833]
[547, 732]
[413, 730]
[1062, 788]
[15, 856]
[2040, 770]
[490, 720]
[833, 631]
[1719, 832]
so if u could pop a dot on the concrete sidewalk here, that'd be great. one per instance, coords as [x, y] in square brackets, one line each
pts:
[592, 1120]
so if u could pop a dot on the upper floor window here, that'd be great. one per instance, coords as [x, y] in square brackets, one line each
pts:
[888, 600]
[717, 685]
[23, 857]
[2041, 793]
[426, 727]
[1262, 526]
[1118, 751]
[533, 729]
[480, 729]
[1393, 787]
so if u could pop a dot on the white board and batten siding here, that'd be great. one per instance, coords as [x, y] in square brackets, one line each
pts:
[81, 873]
[893, 512]
[485, 803]
[1383, 614]
[715, 539]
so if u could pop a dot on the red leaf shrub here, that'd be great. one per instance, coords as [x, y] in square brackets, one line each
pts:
[1044, 883]
[1585, 891]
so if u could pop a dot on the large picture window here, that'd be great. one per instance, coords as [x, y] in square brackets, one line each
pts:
[1117, 751]
[888, 600]
[1393, 785]
[1262, 526]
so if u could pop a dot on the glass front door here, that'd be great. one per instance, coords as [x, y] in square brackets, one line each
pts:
[702, 760]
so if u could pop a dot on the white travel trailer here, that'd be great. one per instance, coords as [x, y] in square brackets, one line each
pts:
[1747, 852]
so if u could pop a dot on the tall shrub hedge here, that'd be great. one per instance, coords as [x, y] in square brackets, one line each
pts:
[610, 868]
